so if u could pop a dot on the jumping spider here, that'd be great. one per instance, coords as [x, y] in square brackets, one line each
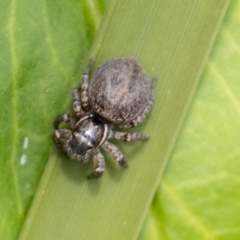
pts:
[119, 95]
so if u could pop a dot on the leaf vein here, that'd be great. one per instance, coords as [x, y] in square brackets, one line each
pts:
[226, 88]
[49, 41]
[172, 193]
[14, 66]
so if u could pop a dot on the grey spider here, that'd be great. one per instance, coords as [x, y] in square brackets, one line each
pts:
[119, 95]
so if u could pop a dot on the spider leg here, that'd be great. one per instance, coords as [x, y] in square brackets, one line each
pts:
[128, 137]
[84, 86]
[99, 165]
[116, 153]
[70, 121]
[80, 101]
[77, 103]
[59, 135]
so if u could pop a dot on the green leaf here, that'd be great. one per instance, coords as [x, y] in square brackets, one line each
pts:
[171, 40]
[198, 197]
[43, 47]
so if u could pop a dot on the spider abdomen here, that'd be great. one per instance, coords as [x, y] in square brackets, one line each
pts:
[119, 91]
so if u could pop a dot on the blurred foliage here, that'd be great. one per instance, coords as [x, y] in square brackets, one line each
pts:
[44, 45]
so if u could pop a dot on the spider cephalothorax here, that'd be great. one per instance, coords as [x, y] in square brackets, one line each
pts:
[120, 96]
